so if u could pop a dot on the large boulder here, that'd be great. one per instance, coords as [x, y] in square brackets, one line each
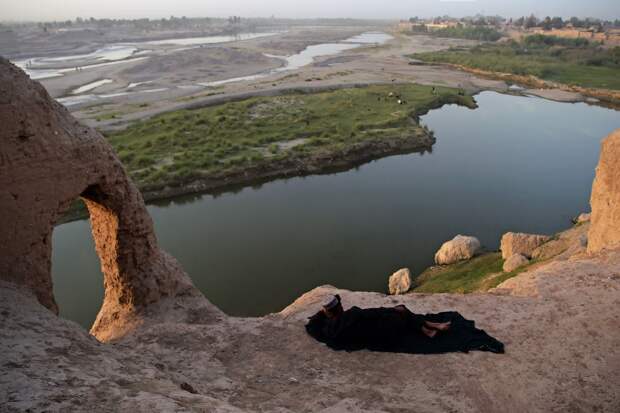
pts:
[459, 248]
[605, 200]
[518, 243]
[514, 262]
[400, 281]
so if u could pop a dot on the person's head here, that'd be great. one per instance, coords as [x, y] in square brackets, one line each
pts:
[333, 307]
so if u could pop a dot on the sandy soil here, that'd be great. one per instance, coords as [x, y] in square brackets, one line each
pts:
[173, 65]
[556, 95]
[297, 40]
[24, 42]
[208, 63]
[366, 65]
[185, 68]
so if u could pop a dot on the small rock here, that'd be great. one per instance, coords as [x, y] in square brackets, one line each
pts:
[518, 243]
[515, 262]
[459, 248]
[188, 388]
[400, 281]
[583, 218]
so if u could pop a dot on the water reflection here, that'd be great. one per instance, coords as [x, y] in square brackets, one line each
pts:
[513, 164]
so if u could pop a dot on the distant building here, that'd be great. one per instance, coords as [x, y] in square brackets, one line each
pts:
[608, 37]
[407, 26]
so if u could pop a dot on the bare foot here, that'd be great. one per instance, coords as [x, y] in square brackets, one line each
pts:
[439, 326]
[429, 332]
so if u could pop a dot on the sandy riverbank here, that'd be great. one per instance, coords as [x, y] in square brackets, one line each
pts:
[189, 67]
[364, 65]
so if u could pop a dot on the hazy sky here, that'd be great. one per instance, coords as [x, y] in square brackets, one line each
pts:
[69, 9]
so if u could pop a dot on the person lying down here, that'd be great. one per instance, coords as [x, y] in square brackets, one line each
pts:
[397, 329]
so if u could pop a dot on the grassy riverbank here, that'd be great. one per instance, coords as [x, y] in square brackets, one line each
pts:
[462, 277]
[478, 274]
[262, 137]
[574, 62]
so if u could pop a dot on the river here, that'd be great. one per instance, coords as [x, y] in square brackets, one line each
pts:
[514, 164]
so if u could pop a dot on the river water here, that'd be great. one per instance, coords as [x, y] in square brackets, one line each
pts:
[513, 164]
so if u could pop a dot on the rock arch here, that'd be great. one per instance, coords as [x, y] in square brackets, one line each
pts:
[48, 159]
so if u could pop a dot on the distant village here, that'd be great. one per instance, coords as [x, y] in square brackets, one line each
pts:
[604, 31]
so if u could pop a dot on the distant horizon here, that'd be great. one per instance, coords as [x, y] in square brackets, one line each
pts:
[25, 11]
[394, 19]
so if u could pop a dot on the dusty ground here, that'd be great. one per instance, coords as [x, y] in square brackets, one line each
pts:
[27, 41]
[557, 323]
[366, 65]
[169, 77]
[171, 65]
[556, 94]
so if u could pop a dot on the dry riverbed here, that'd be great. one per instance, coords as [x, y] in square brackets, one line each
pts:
[191, 76]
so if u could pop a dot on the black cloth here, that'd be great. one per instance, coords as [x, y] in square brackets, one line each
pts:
[398, 330]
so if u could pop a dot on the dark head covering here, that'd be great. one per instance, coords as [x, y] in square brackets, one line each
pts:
[332, 303]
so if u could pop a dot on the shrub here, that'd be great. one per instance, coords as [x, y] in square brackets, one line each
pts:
[126, 157]
[206, 163]
[543, 40]
[157, 176]
[144, 161]
[473, 33]
[255, 157]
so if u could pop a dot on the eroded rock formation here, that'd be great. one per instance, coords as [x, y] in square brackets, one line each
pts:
[48, 160]
[519, 243]
[514, 262]
[605, 199]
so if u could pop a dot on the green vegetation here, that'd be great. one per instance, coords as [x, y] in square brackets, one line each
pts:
[462, 277]
[574, 62]
[108, 112]
[108, 116]
[481, 33]
[492, 282]
[541, 40]
[182, 146]
[478, 274]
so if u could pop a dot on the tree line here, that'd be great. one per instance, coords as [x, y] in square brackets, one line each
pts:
[527, 22]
